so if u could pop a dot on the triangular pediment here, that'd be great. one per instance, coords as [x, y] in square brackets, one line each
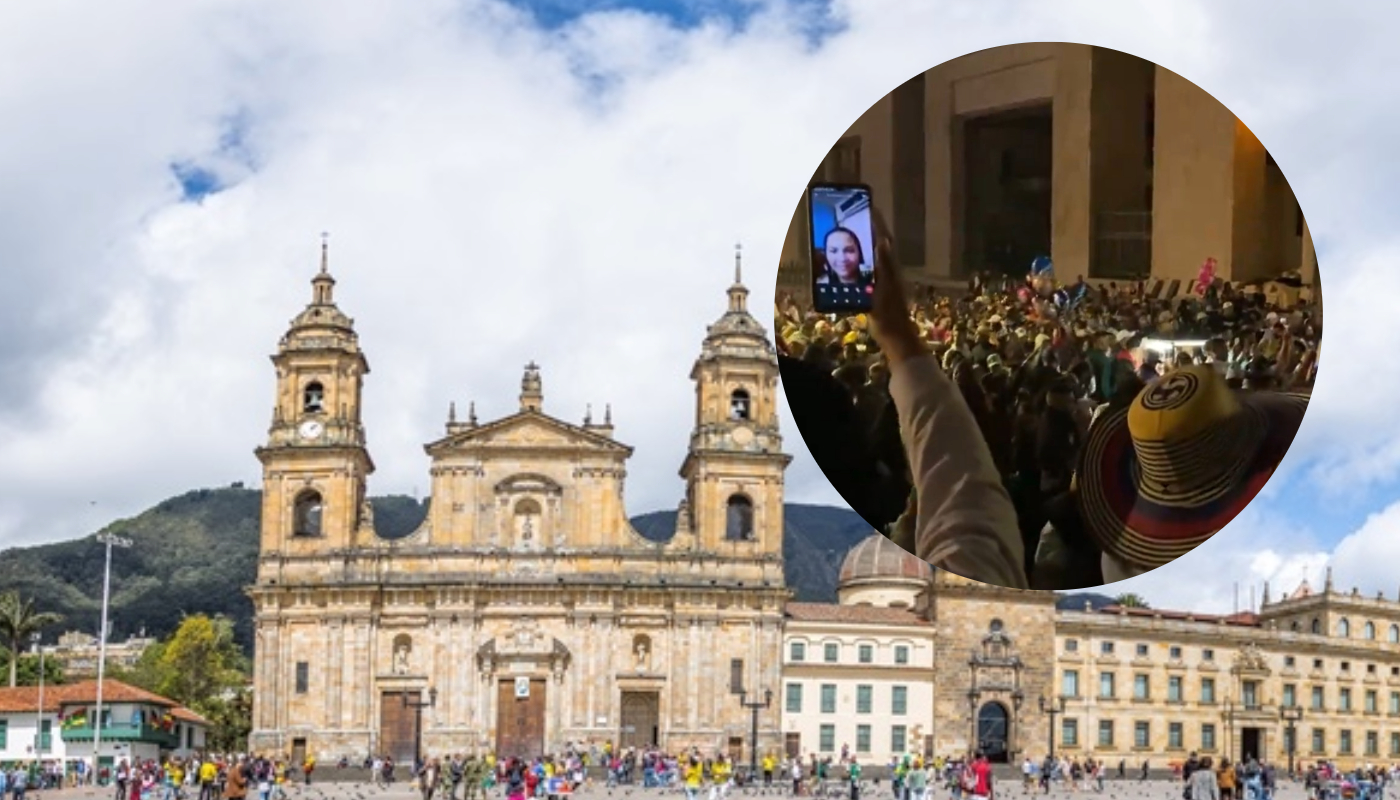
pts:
[528, 429]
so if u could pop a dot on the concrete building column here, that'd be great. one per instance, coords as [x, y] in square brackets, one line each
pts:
[1070, 206]
[939, 165]
[1209, 187]
[1309, 259]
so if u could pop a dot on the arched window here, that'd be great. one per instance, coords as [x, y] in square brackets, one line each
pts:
[1369, 630]
[1316, 625]
[738, 525]
[313, 399]
[996, 626]
[1394, 634]
[1343, 628]
[739, 405]
[1295, 627]
[306, 514]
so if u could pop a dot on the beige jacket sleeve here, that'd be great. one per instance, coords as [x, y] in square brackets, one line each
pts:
[966, 522]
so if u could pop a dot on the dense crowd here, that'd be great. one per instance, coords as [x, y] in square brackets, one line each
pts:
[1036, 363]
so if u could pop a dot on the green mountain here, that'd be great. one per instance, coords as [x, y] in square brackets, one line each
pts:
[194, 554]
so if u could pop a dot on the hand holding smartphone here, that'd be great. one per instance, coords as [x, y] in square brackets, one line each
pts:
[843, 247]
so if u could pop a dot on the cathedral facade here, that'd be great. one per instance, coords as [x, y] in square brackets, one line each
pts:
[525, 613]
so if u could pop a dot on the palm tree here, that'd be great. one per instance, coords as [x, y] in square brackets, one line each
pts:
[18, 620]
[1131, 600]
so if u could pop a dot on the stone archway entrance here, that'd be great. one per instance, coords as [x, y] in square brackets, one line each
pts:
[641, 712]
[993, 728]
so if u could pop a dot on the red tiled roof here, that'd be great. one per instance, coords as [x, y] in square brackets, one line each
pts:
[831, 612]
[1247, 619]
[25, 699]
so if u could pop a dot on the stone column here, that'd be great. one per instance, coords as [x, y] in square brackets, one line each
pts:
[335, 648]
[692, 677]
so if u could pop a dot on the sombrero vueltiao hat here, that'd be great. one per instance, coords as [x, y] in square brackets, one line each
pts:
[1162, 476]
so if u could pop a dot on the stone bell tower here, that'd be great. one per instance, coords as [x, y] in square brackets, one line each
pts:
[734, 470]
[315, 463]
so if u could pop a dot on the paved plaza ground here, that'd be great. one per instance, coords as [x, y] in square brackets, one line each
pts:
[1113, 790]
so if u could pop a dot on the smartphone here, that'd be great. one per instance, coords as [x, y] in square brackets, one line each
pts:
[843, 247]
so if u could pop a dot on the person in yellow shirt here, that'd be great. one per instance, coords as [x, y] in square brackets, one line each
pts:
[768, 764]
[208, 777]
[694, 776]
[723, 775]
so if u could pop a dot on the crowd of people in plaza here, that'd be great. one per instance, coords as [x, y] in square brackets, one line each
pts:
[714, 777]
[200, 776]
[1064, 435]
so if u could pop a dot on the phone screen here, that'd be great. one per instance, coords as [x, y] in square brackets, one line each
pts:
[843, 248]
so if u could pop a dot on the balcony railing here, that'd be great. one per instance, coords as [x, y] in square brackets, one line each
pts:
[122, 733]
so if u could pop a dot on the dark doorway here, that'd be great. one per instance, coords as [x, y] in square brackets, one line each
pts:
[641, 712]
[792, 745]
[1006, 198]
[1250, 742]
[298, 752]
[992, 725]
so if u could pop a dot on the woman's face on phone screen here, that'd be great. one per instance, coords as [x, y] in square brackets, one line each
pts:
[843, 254]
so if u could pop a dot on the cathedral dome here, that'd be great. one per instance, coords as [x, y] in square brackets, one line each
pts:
[879, 559]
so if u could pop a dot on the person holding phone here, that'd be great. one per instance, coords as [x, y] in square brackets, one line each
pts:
[843, 259]
[964, 519]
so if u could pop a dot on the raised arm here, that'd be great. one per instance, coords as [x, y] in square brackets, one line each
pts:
[966, 523]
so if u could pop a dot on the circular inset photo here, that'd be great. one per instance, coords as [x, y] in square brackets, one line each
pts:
[1048, 316]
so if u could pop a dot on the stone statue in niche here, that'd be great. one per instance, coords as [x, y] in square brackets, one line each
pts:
[401, 659]
[643, 661]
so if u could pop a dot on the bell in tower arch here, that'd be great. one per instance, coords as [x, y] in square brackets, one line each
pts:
[740, 405]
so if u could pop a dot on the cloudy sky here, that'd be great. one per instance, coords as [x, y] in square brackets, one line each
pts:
[564, 181]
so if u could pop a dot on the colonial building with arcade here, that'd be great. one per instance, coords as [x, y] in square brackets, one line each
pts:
[918, 660]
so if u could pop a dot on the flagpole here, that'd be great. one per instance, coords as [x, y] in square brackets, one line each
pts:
[108, 539]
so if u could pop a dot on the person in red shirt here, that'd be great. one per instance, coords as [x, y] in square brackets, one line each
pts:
[982, 770]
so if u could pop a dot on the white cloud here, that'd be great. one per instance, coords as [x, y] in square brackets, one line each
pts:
[498, 193]
[1257, 546]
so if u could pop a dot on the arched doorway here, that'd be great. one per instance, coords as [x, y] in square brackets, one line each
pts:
[993, 724]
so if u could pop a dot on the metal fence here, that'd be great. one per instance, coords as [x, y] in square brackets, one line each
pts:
[1123, 245]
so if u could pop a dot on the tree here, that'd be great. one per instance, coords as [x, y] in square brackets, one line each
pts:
[1130, 600]
[18, 620]
[200, 662]
[28, 670]
[201, 667]
[230, 721]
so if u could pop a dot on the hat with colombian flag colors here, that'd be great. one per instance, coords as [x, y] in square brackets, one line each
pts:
[1160, 477]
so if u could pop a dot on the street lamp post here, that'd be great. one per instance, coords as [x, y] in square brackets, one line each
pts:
[111, 540]
[1053, 707]
[418, 705]
[39, 725]
[754, 707]
[1292, 715]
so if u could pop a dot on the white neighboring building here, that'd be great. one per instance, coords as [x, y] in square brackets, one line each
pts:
[139, 724]
[859, 674]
